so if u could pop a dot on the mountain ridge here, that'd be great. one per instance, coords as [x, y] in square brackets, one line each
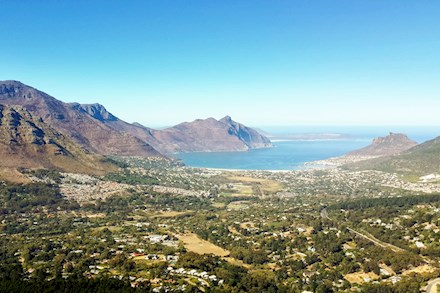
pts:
[210, 135]
[75, 121]
[99, 131]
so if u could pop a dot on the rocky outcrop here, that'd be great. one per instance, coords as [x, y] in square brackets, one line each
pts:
[251, 137]
[96, 111]
[392, 144]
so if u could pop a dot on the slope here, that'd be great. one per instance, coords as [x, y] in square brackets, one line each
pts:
[89, 125]
[30, 143]
[420, 160]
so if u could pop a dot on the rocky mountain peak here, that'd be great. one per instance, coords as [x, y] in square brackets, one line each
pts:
[227, 119]
[97, 111]
[392, 138]
[210, 135]
[15, 89]
[392, 144]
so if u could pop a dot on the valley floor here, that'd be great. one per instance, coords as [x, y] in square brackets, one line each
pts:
[158, 226]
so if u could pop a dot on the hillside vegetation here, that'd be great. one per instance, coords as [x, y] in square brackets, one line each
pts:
[421, 160]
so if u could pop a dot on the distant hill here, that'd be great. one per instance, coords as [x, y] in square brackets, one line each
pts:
[420, 160]
[211, 135]
[392, 144]
[26, 141]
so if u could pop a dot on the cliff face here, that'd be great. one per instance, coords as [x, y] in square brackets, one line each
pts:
[392, 144]
[96, 111]
[251, 137]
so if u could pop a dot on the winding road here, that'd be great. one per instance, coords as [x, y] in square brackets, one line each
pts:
[376, 241]
[432, 287]
[366, 236]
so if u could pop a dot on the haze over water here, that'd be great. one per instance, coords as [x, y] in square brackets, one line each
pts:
[292, 154]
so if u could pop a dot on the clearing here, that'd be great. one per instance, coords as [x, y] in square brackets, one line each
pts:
[420, 270]
[360, 277]
[171, 214]
[238, 205]
[193, 243]
[265, 185]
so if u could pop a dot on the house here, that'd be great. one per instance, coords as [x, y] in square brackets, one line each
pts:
[204, 275]
[181, 271]
[151, 257]
[172, 258]
[156, 238]
[420, 244]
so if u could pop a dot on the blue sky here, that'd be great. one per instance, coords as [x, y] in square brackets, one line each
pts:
[262, 62]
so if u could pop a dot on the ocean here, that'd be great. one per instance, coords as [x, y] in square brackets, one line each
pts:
[292, 154]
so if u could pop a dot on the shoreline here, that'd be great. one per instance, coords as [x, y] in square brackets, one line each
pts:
[240, 170]
[325, 164]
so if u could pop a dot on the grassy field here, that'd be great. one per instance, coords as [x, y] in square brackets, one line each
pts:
[237, 262]
[193, 243]
[361, 277]
[266, 185]
[219, 205]
[243, 188]
[420, 270]
[171, 214]
[238, 205]
[95, 215]
[113, 229]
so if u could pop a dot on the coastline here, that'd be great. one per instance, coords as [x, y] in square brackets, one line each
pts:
[325, 164]
[241, 170]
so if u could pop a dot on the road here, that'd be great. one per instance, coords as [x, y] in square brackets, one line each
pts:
[367, 236]
[376, 241]
[433, 286]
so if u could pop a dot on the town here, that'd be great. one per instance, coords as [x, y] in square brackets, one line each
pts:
[161, 226]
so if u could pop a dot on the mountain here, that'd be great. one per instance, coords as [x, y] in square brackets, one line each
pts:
[420, 160]
[209, 135]
[392, 144]
[26, 141]
[99, 131]
[88, 125]
[251, 137]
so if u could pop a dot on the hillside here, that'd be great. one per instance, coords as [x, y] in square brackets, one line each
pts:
[28, 142]
[420, 160]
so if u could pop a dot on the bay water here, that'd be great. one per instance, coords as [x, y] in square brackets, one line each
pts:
[292, 154]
